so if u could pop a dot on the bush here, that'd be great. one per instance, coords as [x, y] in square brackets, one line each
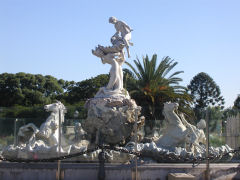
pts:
[6, 140]
[24, 112]
[216, 140]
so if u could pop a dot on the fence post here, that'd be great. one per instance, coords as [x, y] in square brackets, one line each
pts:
[59, 145]
[135, 129]
[15, 132]
[207, 147]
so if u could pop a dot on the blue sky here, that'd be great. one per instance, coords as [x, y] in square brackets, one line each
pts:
[55, 37]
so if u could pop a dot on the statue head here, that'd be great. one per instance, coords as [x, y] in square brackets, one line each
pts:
[201, 124]
[169, 106]
[112, 20]
[55, 107]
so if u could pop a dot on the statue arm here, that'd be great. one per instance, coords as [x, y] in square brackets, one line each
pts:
[117, 32]
[129, 28]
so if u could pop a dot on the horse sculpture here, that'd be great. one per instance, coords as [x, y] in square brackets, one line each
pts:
[175, 132]
[44, 142]
[180, 133]
[49, 130]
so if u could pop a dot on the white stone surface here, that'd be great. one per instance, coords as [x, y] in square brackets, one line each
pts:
[123, 29]
[180, 133]
[114, 55]
[111, 117]
[49, 130]
[180, 138]
[40, 143]
[175, 133]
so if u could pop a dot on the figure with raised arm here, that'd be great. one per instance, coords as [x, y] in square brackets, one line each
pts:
[125, 30]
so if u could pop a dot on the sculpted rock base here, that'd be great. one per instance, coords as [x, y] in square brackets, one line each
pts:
[159, 154]
[112, 118]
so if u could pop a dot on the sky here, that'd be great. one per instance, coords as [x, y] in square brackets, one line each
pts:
[55, 37]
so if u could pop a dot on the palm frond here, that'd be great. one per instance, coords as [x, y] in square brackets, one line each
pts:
[153, 85]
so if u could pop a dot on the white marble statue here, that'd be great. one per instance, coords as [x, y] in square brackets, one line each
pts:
[115, 84]
[49, 130]
[175, 132]
[180, 138]
[125, 31]
[180, 133]
[79, 132]
[114, 55]
[195, 135]
[44, 142]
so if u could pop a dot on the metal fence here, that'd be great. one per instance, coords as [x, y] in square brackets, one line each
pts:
[9, 128]
[233, 131]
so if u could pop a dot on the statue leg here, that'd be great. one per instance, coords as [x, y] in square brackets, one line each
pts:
[126, 42]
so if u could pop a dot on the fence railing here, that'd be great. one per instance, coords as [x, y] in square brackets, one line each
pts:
[9, 128]
[233, 131]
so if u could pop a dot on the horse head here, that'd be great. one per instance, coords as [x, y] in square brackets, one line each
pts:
[55, 107]
[169, 106]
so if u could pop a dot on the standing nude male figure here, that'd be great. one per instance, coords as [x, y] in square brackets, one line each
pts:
[124, 29]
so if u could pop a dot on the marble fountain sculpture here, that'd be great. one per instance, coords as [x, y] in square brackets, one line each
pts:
[179, 138]
[111, 113]
[113, 118]
[43, 142]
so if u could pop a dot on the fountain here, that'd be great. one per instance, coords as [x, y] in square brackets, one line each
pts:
[112, 115]
[113, 118]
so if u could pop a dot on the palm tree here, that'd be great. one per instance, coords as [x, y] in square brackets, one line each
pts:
[150, 85]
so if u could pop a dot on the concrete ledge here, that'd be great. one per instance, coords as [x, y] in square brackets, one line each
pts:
[180, 176]
[72, 171]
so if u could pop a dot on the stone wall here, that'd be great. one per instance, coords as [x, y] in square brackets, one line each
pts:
[72, 171]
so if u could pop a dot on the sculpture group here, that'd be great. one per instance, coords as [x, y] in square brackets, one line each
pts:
[115, 56]
[180, 133]
[113, 118]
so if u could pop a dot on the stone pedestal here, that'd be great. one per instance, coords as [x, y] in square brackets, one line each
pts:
[112, 118]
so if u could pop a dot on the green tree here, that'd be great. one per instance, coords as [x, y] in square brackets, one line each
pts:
[151, 85]
[204, 92]
[28, 89]
[83, 90]
[237, 103]
[215, 118]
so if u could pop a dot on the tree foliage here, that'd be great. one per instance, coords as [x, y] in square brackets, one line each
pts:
[83, 90]
[237, 103]
[151, 85]
[27, 89]
[24, 94]
[215, 118]
[204, 92]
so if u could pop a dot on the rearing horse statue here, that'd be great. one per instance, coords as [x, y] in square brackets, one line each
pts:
[49, 130]
[175, 132]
